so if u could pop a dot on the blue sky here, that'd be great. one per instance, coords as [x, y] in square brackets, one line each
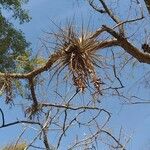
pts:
[134, 119]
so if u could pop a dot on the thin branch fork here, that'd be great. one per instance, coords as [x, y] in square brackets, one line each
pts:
[108, 11]
[95, 7]
[114, 138]
[43, 127]
[95, 135]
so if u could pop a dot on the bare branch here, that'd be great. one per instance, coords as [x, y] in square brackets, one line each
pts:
[31, 84]
[128, 47]
[109, 12]
[95, 7]
[43, 130]
[3, 117]
[19, 122]
[69, 107]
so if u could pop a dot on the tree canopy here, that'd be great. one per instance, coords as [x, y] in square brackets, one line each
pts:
[12, 40]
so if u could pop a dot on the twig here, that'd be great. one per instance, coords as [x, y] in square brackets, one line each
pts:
[69, 107]
[3, 117]
[19, 122]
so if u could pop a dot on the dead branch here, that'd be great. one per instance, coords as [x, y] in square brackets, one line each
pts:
[33, 94]
[19, 122]
[128, 47]
[69, 107]
[107, 11]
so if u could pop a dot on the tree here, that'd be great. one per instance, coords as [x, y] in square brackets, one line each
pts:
[84, 63]
[12, 41]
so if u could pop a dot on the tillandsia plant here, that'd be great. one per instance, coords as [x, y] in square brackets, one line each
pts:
[79, 56]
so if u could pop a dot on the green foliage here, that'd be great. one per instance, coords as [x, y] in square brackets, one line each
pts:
[26, 64]
[12, 41]
[16, 7]
[12, 45]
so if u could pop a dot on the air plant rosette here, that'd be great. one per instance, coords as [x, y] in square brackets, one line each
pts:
[79, 56]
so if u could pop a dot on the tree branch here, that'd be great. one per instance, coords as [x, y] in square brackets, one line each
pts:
[31, 84]
[69, 107]
[19, 122]
[128, 47]
[52, 59]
